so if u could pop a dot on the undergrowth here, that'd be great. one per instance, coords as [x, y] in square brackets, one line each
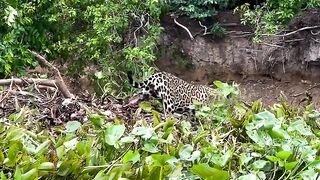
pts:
[228, 140]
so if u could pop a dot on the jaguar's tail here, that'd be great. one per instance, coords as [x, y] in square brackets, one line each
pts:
[132, 82]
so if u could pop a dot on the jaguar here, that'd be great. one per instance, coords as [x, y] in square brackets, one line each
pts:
[176, 94]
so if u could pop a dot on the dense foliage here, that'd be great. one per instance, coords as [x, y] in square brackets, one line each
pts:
[228, 140]
[271, 16]
[118, 35]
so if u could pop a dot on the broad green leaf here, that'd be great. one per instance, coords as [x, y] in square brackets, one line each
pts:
[301, 127]
[2, 176]
[272, 158]
[1, 157]
[309, 174]
[42, 147]
[131, 156]
[156, 118]
[185, 152]
[46, 166]
[64, 169]
[146, 106]
[284, 155]
[81, 148]
[72, 126]
[289, 166]
[277, 132]
[113, 134]
[150, 147]
[163, 159]
[249, 177]
[244, 159]
[144, 132]
[128, 139]
[13, 150]
[206, 172]
[17, 174]
[267, 118]
[14, 133]
[30, 175]
[96, 120]
[221, 160]
[259, 164]
[71, 144]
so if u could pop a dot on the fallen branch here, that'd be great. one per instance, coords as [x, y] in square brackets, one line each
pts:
[185, 28]
[59, 81]
[293, 32]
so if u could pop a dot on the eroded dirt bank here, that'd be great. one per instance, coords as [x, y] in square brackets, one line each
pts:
[288, 63]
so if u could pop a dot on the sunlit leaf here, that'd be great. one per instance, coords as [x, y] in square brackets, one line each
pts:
[206, 172]
[131, 156]
[113, 134]
[72, 126]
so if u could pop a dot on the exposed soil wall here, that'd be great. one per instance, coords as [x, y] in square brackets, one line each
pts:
[205, 58]
[287, 64]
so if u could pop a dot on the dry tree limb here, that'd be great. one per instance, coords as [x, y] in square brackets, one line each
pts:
[205, 28]
[58, 82]
[292, 32]
[185, 28]
[7, 94]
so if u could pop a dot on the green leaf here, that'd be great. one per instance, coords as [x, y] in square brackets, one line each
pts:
[46, 166]
[30, 175]
[249, 177]
[1, 157]
[42, 147]
[150, 147]
[146, 106]
[206, 172]
[284, 155]
[96, 120]
[267, 118]
[72, 126]
[185, 152]
[131, 156]
[144, 132]
[3, 176]
[259, 164]
[289, 166]
[113, 134]
[17, 174]
[301, 127]
[162, 160]
[277, 132]
[272, 158]
[221, 160]
[13, 150]
[156, 118]
[71, 144]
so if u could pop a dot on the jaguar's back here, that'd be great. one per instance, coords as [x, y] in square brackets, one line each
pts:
[177, 95]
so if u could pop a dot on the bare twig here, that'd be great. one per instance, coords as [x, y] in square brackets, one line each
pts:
[273, 45]
[135, 31]
[205, 28]
[185, 28]
[59, 82]
[6, 95]
[293, 32]
[301, 93]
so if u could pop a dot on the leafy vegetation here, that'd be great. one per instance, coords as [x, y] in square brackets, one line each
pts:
[116, 35]
[271, 16]
[228, 140]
